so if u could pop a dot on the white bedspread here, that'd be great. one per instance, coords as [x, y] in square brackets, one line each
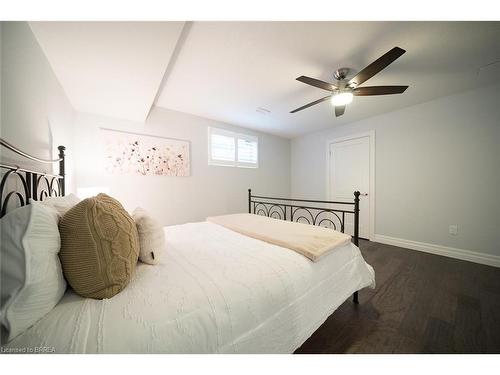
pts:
[214, 291]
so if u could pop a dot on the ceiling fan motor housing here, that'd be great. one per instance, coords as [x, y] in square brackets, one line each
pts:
[341, 74]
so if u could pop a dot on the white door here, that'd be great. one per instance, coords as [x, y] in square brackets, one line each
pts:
[350, 171]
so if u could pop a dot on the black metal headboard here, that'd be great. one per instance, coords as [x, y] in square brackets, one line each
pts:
[35, 185]
[295, 210]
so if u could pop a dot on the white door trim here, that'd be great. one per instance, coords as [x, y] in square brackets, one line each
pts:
[371, 135]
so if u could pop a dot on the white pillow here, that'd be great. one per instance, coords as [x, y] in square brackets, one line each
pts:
[61, 204]
[151, 237]
[31, 273]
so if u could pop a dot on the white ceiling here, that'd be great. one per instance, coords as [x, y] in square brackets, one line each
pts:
[109, 68]
[226, 70]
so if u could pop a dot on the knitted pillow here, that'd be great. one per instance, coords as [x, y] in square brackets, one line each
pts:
[99, 247]
[151, 237]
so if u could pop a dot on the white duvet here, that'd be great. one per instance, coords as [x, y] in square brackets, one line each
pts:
[214, 291]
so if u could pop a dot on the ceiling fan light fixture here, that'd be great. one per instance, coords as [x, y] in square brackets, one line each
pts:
[341, 92]
[341, 98]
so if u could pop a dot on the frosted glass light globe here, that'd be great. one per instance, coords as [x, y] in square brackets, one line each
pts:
[341, 98]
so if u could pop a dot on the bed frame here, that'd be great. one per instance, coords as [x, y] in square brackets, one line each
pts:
[35, 185]
[38, 185]
[301, 210]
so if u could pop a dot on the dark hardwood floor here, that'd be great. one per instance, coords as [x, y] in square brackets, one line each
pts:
[423, 303]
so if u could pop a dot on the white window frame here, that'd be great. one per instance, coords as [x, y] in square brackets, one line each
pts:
[235, 136]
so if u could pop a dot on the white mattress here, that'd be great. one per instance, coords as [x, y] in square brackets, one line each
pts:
[214, 291]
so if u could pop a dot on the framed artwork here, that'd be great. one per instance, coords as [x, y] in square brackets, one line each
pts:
[131, 153]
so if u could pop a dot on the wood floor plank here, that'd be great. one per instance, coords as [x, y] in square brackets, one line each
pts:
[468, 336]
[438, 337]
[392, 266]
[416, 317]
[386, 339]
[490, 318]
[395, 297]
[444, 306]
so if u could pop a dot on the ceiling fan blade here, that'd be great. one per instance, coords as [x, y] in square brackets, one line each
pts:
[339, 110]
[376, 66]
[379, 90]
[311, 104]
[317, 83]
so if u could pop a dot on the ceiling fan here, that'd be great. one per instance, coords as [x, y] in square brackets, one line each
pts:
[342, 91]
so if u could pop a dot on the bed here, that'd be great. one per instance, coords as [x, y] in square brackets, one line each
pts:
[214, 291]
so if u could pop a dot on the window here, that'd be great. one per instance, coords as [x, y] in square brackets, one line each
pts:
[232, 149]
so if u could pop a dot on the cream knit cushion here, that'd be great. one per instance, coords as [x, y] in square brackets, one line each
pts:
[99, 247]
[151, 236]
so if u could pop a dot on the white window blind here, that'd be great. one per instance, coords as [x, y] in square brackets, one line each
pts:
[223, 147]
[232, 149]
[247, 151]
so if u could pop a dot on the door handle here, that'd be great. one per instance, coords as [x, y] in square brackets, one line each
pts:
[364, 194]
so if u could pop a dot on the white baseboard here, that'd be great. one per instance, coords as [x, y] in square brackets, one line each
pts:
[451, 252]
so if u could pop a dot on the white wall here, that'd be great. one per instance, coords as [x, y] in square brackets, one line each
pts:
[210, 190]
[0, 77]
[437, 163]
[36, 115]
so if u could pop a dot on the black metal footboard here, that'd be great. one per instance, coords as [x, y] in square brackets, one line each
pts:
[330, 214]
[307, 211]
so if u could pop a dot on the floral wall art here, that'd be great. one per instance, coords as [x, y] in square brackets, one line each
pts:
[129, 153]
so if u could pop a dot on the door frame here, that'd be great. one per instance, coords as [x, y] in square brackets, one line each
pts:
[371, 135]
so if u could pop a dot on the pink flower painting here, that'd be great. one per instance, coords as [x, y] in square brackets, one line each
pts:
[129, 153]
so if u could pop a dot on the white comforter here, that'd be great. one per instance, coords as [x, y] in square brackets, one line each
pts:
[214, 291]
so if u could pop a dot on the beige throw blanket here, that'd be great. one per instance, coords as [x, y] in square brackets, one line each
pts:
[311, 241]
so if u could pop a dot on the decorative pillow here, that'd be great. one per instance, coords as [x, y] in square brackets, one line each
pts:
[99, 247]
[151, 237]
[61, 204]
[31, 274]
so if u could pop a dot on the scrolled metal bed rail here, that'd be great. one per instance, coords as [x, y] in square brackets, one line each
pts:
[36, 185]
[293, 210]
